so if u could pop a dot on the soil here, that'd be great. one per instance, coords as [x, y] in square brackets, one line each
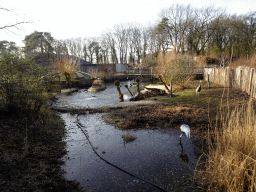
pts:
[31, 145]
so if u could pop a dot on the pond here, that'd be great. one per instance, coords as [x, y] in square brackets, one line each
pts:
[103, 98]
[156, 155]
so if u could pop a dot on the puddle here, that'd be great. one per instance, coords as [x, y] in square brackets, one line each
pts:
[155, 156]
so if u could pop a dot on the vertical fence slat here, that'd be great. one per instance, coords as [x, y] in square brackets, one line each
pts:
[243, 78]
[253, 86]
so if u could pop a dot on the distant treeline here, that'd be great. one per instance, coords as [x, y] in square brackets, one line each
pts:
[184, 29]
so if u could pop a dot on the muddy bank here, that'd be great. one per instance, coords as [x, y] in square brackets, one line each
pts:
[31, 145]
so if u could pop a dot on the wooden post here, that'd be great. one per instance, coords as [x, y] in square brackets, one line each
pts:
[171, 89]
[241, 81]
[208, 81]
[138, 85]
[126, 86]
[251, 76]
[117, 84]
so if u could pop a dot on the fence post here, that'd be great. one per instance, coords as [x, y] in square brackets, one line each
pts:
[230, 77]
[171, 89]
[208, 81]
[226, 75]
[214, 76]
[241, 81]
[250, 88]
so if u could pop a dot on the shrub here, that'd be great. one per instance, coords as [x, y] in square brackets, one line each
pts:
[67, 66]
[175, 67]
[24, 84]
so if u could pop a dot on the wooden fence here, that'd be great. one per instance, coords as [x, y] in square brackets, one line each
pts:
[243, 78]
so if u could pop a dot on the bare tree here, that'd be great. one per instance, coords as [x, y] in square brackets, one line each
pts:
[247, 31]
[110, 39]
[121, 33]
[221, 35]
[137, 41]
[104, 49]
[84, 51]
[201, 29]
[174, 26]
[93, 49]
[10, 26]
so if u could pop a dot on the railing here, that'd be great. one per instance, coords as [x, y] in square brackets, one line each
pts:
[153, 71]
[144, 71]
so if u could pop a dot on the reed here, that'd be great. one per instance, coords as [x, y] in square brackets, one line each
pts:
[96, 73]
[242, 61]
[231, 163]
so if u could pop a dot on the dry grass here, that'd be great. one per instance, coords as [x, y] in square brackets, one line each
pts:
[251, 62]
[231, 163]
[201, 60]
[128, 137]
[103, 71]
[159, 115]
[96, 73]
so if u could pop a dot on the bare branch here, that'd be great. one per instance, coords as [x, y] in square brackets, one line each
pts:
[4, 9]
[13, 25]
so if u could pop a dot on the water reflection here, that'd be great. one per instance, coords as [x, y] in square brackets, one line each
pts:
[154, 156]
[183, 155]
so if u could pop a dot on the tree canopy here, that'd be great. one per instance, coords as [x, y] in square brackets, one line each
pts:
[39, 46]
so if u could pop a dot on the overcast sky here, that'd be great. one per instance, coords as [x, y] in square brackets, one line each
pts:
[86, 18]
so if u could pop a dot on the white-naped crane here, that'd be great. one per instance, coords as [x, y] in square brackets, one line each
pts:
[185, 129]
[198, 89]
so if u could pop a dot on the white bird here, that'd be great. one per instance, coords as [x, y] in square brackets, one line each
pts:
[198, 89]
[185, 129]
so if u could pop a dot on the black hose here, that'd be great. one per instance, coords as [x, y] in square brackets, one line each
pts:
[154, 185]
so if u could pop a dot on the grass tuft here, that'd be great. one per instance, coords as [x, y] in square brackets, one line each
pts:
[128, 137]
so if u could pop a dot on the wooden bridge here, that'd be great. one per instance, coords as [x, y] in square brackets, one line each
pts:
[154, 72]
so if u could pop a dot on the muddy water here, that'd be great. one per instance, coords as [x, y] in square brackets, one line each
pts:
[156, 155]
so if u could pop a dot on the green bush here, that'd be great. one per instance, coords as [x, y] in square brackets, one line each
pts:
[23, 84]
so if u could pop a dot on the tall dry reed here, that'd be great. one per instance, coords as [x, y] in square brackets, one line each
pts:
[231, 164]
[96, 73]
[250, 62]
